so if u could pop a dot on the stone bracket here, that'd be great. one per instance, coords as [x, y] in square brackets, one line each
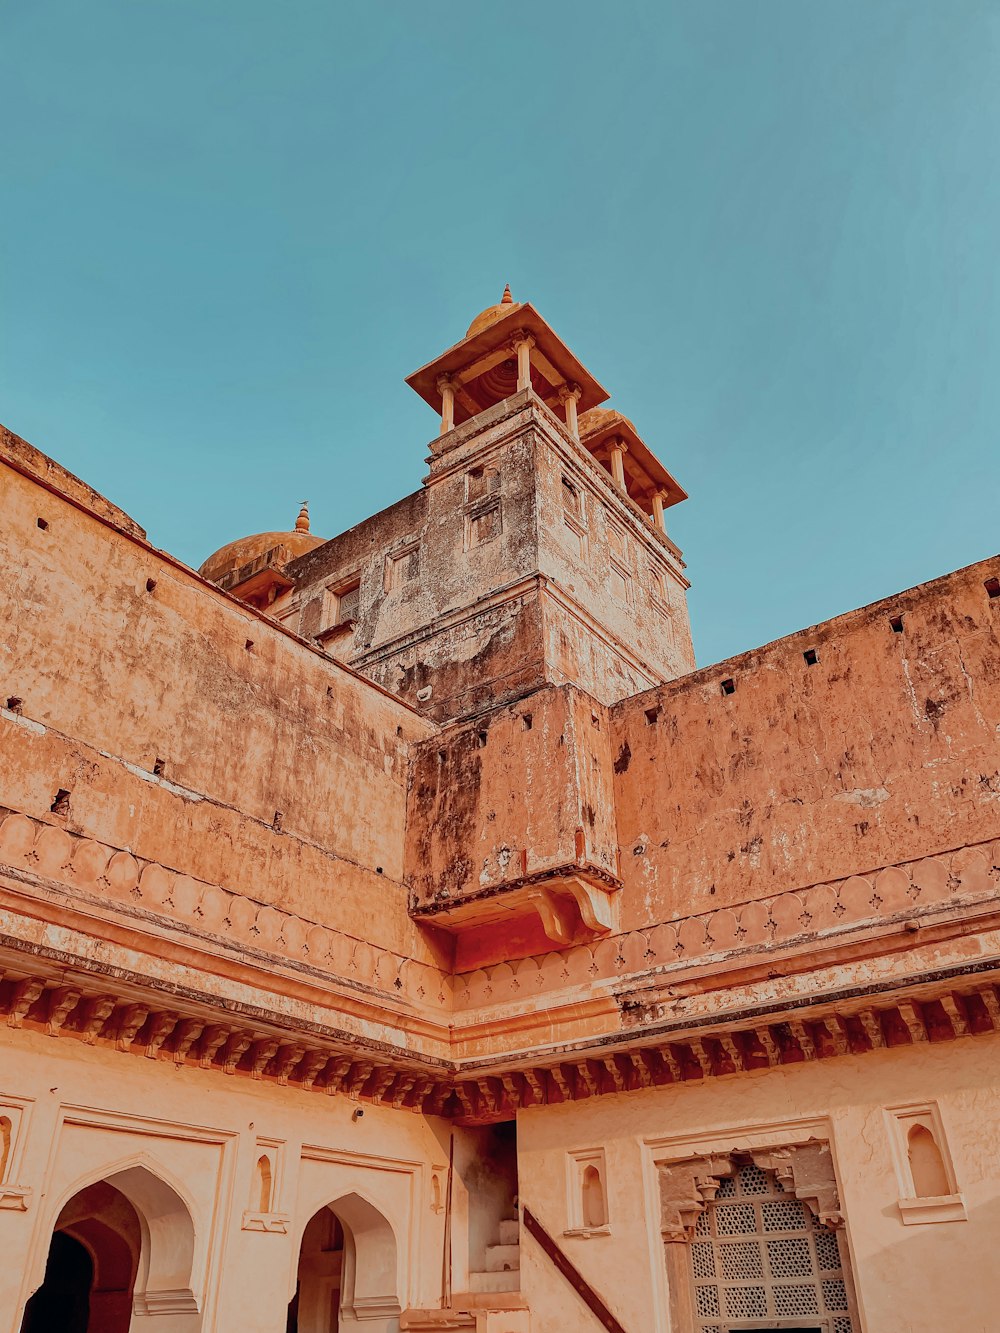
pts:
[805, 1170]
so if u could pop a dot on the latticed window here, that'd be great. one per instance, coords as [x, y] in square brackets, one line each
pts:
[760, 1260]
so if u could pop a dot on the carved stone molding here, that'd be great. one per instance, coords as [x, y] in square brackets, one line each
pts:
[805, 1170]
[685, 1189]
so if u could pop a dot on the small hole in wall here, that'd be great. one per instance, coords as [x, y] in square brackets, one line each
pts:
[810, 657]
[442, 756]
[482, 737]
[897, 624]
[158, 766]
[728, 686]
[151, 585]
[399, 731]
[992, 587]
[595, 721]
[60, 806]
[379, 870]
[329, 691]
[276, 821]
[42, 523]
[526, 721]
[652, 716]
[14, 704]
[249, 645]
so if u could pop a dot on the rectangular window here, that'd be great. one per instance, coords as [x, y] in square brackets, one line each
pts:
[482, 526]
[572, 500]
[621, 584]
[347, 601]
[480, 483]
[401, 567]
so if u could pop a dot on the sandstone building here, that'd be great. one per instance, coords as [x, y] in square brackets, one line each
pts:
[399, 932]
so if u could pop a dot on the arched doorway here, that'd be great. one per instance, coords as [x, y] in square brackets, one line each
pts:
[91, 1267]
[122, 1253]
[347, 1271]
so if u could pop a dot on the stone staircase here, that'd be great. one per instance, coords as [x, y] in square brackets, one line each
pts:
[503, 1262]
[493, 1303]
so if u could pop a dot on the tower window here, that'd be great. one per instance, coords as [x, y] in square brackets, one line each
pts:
[621, 584]
[402, 567]
[572, 500]
[728, 686]
[992, 587]
[343, 601]
[483, 526]
[481, 482]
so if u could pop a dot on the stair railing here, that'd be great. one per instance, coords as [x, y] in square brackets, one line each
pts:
[571, 1273]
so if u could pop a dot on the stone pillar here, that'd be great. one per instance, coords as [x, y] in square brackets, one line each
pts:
[618, 451]
[522, 344]
[569, 395]
[658, 499]
[447, 391]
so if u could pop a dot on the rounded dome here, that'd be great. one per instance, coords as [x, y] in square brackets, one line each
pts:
[492, 313]
[234, 555]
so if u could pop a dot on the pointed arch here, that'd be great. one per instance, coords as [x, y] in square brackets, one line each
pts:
[369, 1277]
[164, 1279]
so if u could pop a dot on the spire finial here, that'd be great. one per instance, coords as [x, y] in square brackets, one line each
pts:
[506, 299]
[302, 522]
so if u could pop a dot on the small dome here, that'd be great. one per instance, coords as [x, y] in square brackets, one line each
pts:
[234, 555]
[494, 312]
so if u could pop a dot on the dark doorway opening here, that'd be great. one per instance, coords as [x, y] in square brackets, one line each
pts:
[90, 1272]
[62, 1303]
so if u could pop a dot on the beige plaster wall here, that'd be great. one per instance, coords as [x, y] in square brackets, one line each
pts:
[88, 1113]
[910, 1279]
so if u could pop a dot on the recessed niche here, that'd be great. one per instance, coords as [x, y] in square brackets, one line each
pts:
[587, 1210]
[928, 1189]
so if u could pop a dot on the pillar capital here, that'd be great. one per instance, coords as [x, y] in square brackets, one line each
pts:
[569, 395]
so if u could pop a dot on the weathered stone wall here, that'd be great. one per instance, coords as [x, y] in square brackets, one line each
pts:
[461, 631]
[616, 618]
[189, 729]
[514, 795]
[885, 750]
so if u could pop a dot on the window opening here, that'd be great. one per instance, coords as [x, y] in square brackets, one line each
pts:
[759, 1254]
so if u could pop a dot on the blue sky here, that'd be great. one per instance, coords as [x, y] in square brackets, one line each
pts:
[231, 227]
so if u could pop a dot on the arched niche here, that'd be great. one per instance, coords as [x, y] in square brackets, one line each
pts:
[347, 1271]
[927, 1168]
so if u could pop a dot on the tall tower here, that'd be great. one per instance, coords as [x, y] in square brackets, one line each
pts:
[536, 552]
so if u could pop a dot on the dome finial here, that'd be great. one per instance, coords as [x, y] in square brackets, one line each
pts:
[506, 299]
[302, 522]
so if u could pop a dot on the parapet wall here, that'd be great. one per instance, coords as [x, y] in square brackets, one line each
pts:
[149, 711]
[866, 741]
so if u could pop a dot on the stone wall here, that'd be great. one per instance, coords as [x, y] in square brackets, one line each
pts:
[884, 750]
[150, 712]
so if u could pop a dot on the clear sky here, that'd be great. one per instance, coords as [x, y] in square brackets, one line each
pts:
[231, 227]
